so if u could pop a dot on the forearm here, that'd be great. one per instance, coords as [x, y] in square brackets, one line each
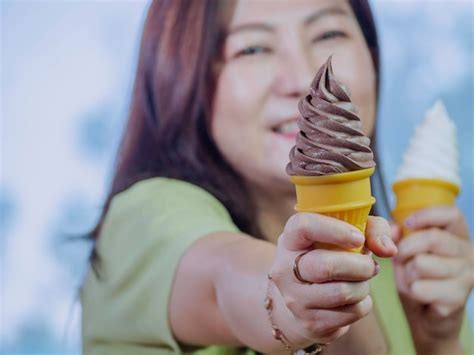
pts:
[434, 335]
[220, 285]
[441, 347]
[241, 285]
[445, 339]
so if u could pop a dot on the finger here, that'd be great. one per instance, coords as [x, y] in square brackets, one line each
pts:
[428, 266]
[327, 320]
[437, 216]
[325, 265]
[337, 294]
[396, 232]
[440, 311]
[304, 229]
[328, 295]
[378, 234]
[400, 278]
[330, 337]
[446, 292]
[434, 241]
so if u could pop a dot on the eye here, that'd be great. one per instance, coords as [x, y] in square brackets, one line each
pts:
[252, 50]
[328, 35]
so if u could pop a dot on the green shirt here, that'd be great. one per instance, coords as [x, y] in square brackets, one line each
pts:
[145, 233]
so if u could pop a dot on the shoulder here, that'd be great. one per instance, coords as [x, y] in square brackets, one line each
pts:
[156, 192]
[145, 233]
[162, 211]
[167, 199]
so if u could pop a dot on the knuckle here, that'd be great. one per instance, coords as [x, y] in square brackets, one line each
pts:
[308, 326]
[416, 264]
[290, 226]
[432, 238]
[462, 266]
[280, 239]
[327, 269]
[380, 221]
[443, 310]
[467, 278]
[310, 267]
[312, 324]
[278, 273]
[368, 266]
[457, 214]
[416, 288]
[433, 234]
[459, 248]
[331, 336]
[290, 302]
[362, 309]
[364, 289]
[345, 294]
[409, 272]
[297, 223]
[293, 305]
[292, 221]
[318, 328]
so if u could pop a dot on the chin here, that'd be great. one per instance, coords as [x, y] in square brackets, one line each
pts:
[277, 179]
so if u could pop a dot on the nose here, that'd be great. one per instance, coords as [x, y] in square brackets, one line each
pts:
[294, 73]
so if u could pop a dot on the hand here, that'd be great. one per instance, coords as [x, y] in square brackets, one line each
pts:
[339, 294]
[434, 273]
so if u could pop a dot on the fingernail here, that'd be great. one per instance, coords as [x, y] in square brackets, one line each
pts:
[410, 222]
[377, 268]
[387, 242]
[359, 236]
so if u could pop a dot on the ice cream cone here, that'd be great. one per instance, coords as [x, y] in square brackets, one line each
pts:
[413, 194]
[345, 196]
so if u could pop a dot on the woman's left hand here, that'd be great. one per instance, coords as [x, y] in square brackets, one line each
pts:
[434, 273]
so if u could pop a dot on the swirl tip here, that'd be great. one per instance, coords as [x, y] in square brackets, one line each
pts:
[331, 138]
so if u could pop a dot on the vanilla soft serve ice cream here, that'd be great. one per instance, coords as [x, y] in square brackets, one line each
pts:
[433, 150]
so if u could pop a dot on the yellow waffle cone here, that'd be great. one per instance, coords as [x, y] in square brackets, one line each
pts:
[345, 196]
[418, 193]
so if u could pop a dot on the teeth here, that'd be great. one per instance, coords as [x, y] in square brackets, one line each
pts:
[287, 127]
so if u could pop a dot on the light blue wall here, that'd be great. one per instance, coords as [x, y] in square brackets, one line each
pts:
[66, 71]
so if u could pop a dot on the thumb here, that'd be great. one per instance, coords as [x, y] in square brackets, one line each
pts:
[378, 237]
[302, 230]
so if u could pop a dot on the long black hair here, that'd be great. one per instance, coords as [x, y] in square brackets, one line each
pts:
[168, 130]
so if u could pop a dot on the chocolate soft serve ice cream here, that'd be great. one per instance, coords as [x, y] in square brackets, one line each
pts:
[331, 162]
[330, 139]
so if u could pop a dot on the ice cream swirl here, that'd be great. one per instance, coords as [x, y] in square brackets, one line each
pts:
[330, 140]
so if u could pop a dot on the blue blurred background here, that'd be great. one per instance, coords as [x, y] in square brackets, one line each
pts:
[66, 77]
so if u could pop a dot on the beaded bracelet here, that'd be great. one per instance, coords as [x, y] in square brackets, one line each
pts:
[278, 334]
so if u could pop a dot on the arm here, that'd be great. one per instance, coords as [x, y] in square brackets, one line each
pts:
[212, 264]
[221, 281]
[434, 276]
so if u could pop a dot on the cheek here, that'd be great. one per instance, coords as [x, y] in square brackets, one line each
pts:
[237, 120]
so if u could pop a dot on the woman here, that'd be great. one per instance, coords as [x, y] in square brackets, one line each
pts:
[201, 209]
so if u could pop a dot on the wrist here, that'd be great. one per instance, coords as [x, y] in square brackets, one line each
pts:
[280, 317]
[440, 347]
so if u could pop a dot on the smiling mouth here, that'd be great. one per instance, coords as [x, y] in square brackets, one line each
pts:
[286, 127]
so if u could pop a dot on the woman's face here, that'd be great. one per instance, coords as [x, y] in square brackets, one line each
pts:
[271, 54]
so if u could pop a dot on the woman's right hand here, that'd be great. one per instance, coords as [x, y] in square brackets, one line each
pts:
[339, 294]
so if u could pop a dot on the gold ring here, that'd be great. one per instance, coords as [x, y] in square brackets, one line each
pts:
[296, 270]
